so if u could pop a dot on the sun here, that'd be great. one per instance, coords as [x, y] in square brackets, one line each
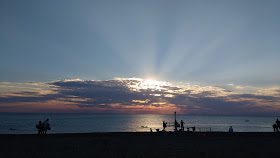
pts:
[152, 84]
[138, 84]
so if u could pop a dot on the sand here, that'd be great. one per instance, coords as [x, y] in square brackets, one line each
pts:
[141, 145]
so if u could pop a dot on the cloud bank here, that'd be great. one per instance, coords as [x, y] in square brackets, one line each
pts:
[135, 95]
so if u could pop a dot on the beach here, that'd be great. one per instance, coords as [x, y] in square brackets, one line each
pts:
[141, 144]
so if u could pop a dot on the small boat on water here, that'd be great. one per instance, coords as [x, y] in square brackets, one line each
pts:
[144, 126]
[247, 120]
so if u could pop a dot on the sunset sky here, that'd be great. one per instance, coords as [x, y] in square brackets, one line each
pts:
[150, 56]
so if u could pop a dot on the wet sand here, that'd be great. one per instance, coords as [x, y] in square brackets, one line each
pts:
[142, 145]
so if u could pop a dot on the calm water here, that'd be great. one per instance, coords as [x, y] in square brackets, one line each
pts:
[80, 123]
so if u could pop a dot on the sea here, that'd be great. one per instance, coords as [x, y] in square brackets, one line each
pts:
[23, 123]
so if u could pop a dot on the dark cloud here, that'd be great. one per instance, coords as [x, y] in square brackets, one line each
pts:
[171, 88]
[108, 92]
[125, 93]
[188, 91]
[26, 93]
[227, 90]
[253, 96]
[14, 99]
[204, 94]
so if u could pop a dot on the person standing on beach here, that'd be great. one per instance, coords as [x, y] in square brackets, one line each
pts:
[46, 126]
[277, 124]
[176, 125]
[40, 127]
[275, 127]
[164, 125]
[230, 130]
[182, 125]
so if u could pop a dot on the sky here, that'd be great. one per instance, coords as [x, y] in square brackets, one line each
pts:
[217, 57]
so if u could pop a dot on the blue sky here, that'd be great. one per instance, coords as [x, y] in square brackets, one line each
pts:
[207, 43]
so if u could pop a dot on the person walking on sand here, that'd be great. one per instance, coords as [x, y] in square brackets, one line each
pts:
[46, 126]
[182, 125]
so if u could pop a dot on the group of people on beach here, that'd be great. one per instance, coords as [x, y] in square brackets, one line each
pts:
[43, 127]
[188, 128]
[181, 125]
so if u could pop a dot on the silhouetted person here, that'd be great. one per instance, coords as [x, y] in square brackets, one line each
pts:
[46, 126]
[164, 124]
[230, 130]
[40, 127]
[277, 124]
[176, 125]
[182, 125]
[275, 127]
[193, 128]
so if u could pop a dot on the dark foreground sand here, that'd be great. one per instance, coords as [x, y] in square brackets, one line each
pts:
[141, 145]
